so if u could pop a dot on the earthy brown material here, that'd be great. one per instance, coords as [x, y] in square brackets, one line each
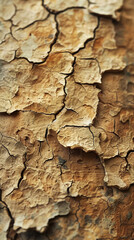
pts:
[66, 120]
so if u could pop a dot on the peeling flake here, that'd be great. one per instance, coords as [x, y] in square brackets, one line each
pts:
[76, 137]
[107, 7]
[4, 221]
[61, 5]
[118, 173]
[87, 71]
[80, 27]
[35, 40]
[12, 157]
[28, 12]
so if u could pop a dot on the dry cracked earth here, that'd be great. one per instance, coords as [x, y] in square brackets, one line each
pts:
[66, 120]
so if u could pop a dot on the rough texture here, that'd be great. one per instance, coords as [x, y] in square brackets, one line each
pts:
[4, 221]
[61, 5]
[80, 27]
[106, 7]
[35, 40]
[87, 71]
[11, 166]
[119, 172]
[66, 120]
[76, 137]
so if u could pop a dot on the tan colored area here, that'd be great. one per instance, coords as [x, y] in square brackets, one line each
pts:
[61, 5]
[4, 221]
[66, 120]
[80, 27]
[106, 7]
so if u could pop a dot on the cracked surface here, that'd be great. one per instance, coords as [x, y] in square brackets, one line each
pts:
[79, 28]
[35, 40]
[4, 221]
[107, 7]
[61, 5]
[66, 120]
[11, 166]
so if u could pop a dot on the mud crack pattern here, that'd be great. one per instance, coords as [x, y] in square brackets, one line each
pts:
[66, 120]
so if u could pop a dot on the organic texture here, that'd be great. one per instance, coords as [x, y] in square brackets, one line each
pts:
[79, 28]
[4, 221]
[106, 7]
[66, 120]
[61, 5]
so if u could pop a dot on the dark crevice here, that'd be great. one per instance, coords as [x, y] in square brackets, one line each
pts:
[22, 173]
[15, 57]
[64, 89]
[11, 21]
[73, 65]
[114, 71]
[30, 24]
[48, 160]
[89, 39]
[14, 11]
[56, 35]
[32, 234]
[7, 150]
[47, 8]
[92, 136]
[59, 111]
[74, 126]
[114, 132]
[12, 25]
[47, 114]
[128, 166]
[4, 40]
[130, 151]
[70, 8]
[52, 223]
[51, 11]
[52, 44]
[60, 170]
[11, 222]
[68, 189]
[88, 2]
[71, 110]
[114, 20]
[8, 137]
[46, 133]
[97, 85]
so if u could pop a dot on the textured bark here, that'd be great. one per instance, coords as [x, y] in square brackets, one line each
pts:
[66, 120]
